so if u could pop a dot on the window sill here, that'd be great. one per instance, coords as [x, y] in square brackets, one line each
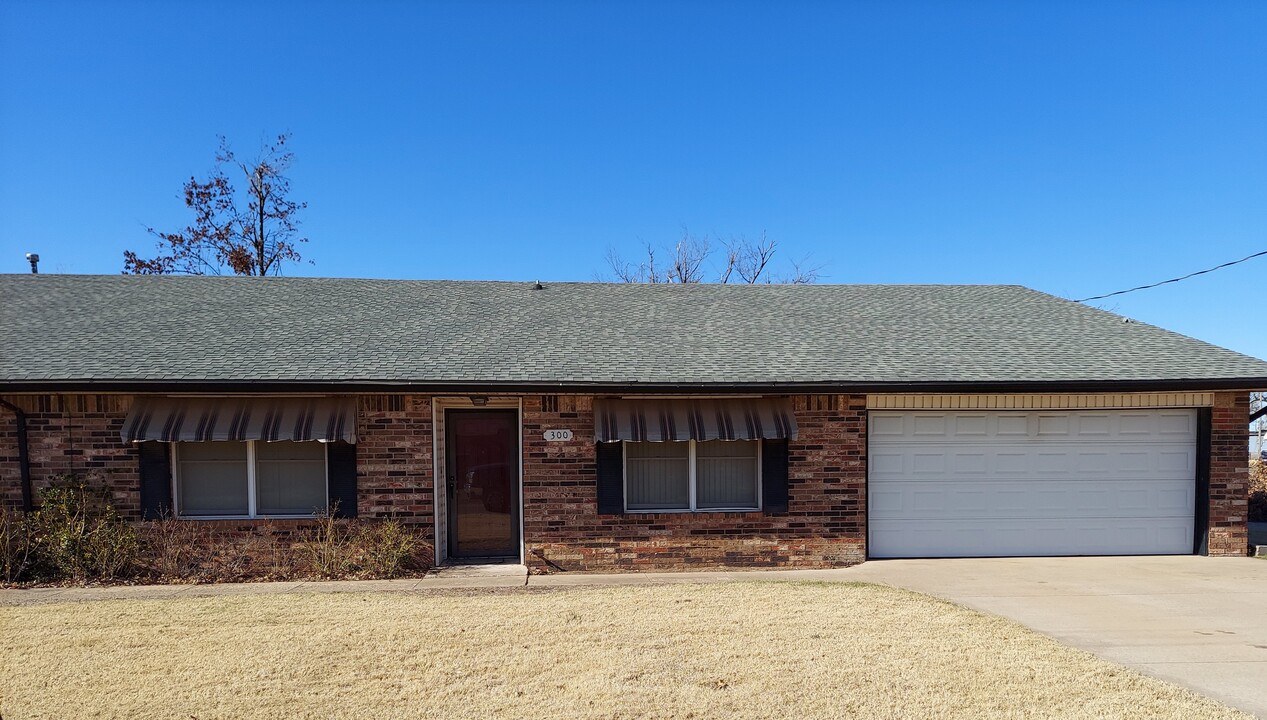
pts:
[306, 516]
[702, 511]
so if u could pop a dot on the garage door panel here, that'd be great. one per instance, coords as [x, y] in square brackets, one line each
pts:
[931, 462]
[884, 501]
[1180, 424]
[1138, 423]
[883, 426]
[1111, 463]
[1003, 538]
[929, 426]
[974, 500]
[1041, 482]
[1006, 427]
[1178, 499]
[1053, 462]
[970, 426]
[969, 463]
[886, 463]
[1178, 462]
[1089, 426]
[1094, 463]
[927, 501]
[1006, 463]
[1012, 425]
[1053, 425]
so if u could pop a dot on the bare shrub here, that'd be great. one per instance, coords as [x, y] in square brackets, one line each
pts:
[340, 549]
[277, 559]
[387, 549]
[327, 547]
[79, 535]
[175, 549]
[70, 541]
[17, 545]
[180, 550]
[262, 553]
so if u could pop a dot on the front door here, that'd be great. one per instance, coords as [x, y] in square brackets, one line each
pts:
[482, 463]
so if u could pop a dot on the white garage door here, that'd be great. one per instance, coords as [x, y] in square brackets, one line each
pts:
[968, 484]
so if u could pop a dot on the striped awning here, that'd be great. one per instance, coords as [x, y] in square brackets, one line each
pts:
[238, 418]
[721, 419]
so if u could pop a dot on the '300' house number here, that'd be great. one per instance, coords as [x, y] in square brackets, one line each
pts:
[558, 435]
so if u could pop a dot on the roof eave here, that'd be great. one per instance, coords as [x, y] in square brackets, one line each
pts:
[479, 386]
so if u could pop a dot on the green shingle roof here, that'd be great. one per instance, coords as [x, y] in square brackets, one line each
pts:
[167, 330]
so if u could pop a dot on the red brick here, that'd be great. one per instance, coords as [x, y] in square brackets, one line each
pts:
[825, 525]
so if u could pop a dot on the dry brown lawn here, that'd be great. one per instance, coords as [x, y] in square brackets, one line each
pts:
[742, 650]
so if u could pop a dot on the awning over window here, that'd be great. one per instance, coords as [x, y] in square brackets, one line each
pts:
[722, 419]
[196, 419]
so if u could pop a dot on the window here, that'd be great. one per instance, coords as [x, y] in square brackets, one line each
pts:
[212, 478]
[249, 479]
[700, 476]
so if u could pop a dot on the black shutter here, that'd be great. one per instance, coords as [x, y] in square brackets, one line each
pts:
[341, 471]
[774, 476]
[611, 478]
[156, 480]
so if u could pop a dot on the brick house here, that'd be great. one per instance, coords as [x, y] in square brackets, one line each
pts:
[584, 426]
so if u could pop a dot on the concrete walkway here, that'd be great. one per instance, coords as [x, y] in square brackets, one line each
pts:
[1195, 621]
[444, 578]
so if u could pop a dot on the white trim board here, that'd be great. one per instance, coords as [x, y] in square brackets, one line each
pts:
[913, 401]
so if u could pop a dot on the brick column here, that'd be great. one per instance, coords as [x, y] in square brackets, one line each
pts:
[393, 460]
[1229, 475]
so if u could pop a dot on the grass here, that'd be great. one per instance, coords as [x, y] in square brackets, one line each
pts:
[740, 650]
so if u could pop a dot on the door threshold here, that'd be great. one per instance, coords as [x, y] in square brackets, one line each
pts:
[490, 560]
[481, 570]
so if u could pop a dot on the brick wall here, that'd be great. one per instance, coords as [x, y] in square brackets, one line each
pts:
[824, 525]
[68, 434]
[393, 459]
[80, 434]
[1229, 475]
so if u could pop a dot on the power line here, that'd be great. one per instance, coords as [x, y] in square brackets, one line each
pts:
[1175, 280]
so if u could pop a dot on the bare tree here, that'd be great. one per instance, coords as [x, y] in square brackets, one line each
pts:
[257, 240]
[1258, 428]
[742, 260]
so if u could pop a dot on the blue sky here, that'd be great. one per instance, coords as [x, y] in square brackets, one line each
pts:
[1074, 147]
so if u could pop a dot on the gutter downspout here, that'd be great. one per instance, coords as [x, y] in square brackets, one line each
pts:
[24, 458]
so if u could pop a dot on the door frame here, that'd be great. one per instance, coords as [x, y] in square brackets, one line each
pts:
[439, 486]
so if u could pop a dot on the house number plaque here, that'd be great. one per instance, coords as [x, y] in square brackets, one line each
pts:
[558, 435]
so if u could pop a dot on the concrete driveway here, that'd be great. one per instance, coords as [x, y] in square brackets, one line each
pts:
[1194, 621]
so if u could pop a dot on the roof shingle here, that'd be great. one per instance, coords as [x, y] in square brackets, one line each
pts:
[129, 329]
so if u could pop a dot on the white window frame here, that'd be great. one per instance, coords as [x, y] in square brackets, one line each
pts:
[251, 501]
[624, 479]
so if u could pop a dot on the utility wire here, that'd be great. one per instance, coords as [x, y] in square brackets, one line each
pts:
[1175, 280]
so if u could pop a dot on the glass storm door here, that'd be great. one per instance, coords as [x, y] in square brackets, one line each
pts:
[482, 459]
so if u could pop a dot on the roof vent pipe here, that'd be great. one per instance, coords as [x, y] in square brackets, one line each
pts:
[34, 259]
